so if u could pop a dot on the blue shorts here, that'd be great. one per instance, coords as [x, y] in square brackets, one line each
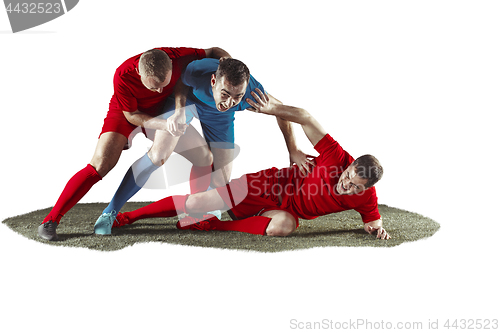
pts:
[218, 127]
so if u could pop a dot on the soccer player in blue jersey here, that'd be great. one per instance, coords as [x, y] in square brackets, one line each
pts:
[214, 91]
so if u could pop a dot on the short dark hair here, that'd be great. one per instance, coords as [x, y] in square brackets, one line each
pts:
[235, 71]
[155, 63]
[368, 167]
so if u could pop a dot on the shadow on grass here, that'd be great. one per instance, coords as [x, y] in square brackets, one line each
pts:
[335, 230]
[329, 233]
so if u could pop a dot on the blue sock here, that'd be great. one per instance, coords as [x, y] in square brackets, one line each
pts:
[135, 178]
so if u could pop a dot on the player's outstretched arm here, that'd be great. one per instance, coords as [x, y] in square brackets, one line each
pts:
[267, 104]
[375, 227]
[297, 156]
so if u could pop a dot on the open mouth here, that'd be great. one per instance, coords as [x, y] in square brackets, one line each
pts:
[342, 188]
[222, 107]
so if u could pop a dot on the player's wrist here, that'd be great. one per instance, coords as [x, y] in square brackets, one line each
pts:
[180, 110]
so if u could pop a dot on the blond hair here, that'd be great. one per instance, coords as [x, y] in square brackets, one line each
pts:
[156, 64]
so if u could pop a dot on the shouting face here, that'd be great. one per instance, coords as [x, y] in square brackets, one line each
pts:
[225, 94]
[350, 182]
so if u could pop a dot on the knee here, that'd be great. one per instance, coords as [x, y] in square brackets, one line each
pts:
[102, 165]
[157, 156]
[193, 203]
[200, 157]
[281, 227]
[206, 157]
[218, 182]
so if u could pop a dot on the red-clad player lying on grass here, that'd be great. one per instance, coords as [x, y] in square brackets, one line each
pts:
[270, 202]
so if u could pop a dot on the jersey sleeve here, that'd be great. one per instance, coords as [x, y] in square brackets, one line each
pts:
[187, 76]
[369, 210]
[198, 70]
[252, 85]
[126, 101]
[332, 154]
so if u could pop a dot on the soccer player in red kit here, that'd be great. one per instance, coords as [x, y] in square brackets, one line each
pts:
[270, 202]
[141, 86]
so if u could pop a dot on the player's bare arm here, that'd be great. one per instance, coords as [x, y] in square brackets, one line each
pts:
[176, 124]
[216, 53]
[375, 227]
[142, 119]
[267, 103]
[296, 155]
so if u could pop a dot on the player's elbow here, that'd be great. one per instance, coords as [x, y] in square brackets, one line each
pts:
[217, 53]
[305, 117]
[133, 118]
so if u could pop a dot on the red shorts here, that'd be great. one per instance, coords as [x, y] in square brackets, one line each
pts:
[116, 122]
[252, 195]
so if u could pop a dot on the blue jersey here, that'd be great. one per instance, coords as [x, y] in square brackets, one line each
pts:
[218, 127]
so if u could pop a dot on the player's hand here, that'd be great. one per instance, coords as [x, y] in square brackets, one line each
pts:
[304, 162]
[375, 227]
[262, 102]
[176, 123]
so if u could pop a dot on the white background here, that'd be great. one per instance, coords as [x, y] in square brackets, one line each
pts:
[416, 83]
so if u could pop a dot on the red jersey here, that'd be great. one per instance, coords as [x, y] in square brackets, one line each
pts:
[313, 195]
[131, 95]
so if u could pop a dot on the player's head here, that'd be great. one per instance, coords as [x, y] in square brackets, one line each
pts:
[362, 174]
[155, 69]
[229, 83]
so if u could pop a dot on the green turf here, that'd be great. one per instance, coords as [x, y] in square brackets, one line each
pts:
[340, 229]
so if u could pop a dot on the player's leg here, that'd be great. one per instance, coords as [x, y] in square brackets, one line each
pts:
[140, 171]
[163, 145]
[106, 155]
[173, 206]
[282, 223]
[135, 178]
[223, 166]
[205, 201]
[220, 136]
[202, 178]
[108, 151]
[270, 223]
[194, 148]
[246, 203]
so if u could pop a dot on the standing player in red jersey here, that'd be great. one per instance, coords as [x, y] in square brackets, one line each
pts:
[270, 202]
[141, 86]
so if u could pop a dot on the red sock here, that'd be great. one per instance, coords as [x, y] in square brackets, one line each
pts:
[167, 207]
[199, 179]
[256, 225]
[75, 189]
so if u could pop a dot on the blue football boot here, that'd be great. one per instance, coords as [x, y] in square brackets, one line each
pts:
[104, 223]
